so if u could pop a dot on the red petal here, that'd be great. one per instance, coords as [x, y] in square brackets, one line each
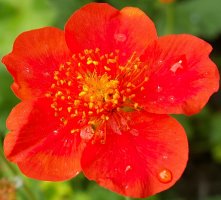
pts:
[182, 77]
[134, 162]
[35, 56]
[98, 25]
[42, 147]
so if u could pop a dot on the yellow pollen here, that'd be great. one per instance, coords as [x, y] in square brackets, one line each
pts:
[132, 96]
[142, 88]
[116, 95]
[84, 114]
[115, 101]
[92, 85]
[67, 73]
[53, 105]
[95, 62]
[90, 112]
[129, 84]
[64, 121]
[91, 105]
[61, 67]
[89, 61]
[56, 77]
[76, 102]
[85, 88]
[74, 131]
[62, 82]
[128, 90]
[47, 94]
[136, 105]
[56, 73]
[53, 86]
[79, 76]
[107, 68]
[69, 109]
[99, 92]
[82, 93]
[111, 61]
[97, 50]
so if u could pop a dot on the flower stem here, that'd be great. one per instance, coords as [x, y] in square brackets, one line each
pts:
[127, 198]
[9, 166]
[169, 9]
[28, 192]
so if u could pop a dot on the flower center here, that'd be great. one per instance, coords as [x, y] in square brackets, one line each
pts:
[91, 86]
[99, 92]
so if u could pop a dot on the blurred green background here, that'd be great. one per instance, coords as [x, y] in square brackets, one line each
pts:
[202, 177]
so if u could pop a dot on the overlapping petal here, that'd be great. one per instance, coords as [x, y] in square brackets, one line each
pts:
[98, 25]
[181, 75]
[131, 161]
[42, 147]
[35, 56]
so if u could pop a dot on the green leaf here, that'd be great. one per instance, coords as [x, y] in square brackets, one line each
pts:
[198, 17]
[20, 16]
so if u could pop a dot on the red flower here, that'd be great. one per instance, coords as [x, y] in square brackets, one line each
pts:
[96, 98]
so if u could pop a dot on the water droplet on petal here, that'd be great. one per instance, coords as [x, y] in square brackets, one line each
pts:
[134, 132]
[27, 69]
[128, 168]
[165, 176]
[160, 62]
[55, 132]
[87, 133]
[165, 157]
[176, 66]
[46, 74]
[120, 37]
[159, 88]
[206, 74]
[171, 99]
[67, 143]
[160, 99]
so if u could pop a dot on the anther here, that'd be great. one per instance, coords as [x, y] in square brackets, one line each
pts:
[107, 68]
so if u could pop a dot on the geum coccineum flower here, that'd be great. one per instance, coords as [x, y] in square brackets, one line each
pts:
[96, 97]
